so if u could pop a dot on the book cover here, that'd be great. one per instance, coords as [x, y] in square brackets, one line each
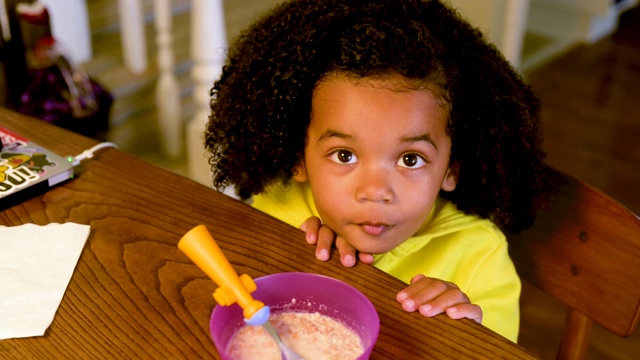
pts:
[25, 165]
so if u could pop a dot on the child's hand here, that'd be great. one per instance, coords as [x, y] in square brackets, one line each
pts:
[433, 296]
[323, 237]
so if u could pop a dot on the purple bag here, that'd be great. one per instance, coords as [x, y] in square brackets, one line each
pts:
[68, 98]
[56, 91]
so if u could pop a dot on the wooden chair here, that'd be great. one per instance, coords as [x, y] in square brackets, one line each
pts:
[584, 250]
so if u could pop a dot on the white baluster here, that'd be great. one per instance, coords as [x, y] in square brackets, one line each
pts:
[515, 24]
[134, 44]
[167, 89]
[208, 46]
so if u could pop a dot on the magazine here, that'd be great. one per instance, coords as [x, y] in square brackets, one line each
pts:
[25, 165]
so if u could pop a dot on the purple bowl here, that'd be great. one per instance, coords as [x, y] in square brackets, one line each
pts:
[313, 293]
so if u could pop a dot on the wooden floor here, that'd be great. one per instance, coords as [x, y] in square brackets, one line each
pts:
[591, 124]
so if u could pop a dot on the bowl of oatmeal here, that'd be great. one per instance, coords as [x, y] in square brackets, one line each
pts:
[318, 316]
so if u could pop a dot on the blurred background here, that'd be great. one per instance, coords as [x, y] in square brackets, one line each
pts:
[157, 60]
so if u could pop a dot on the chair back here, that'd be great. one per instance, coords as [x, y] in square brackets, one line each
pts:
[584, 250]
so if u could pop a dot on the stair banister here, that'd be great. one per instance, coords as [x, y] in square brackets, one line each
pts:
[208, 52]
[134, 44]
[168, 101]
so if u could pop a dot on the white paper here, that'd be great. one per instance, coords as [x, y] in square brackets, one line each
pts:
[36, 264]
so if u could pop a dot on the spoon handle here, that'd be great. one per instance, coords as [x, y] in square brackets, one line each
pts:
[287, 352]
[202, 249]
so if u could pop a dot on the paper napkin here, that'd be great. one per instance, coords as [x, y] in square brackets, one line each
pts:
[36, 264]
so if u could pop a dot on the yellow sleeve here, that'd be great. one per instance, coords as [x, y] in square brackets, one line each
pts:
[292, 203]
[470, 252]
[496, 289]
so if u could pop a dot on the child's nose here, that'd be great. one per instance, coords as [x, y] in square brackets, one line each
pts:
[375, 185]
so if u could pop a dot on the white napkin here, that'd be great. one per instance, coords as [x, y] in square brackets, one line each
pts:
[36, 264]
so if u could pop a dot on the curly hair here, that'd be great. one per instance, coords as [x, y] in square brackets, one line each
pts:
[262, 102]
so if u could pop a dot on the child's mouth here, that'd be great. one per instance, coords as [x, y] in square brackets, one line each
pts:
[374, 229]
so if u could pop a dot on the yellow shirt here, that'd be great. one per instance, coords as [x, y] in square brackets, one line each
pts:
[467, 250]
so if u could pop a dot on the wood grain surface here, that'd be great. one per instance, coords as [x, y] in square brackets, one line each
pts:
[135, 295]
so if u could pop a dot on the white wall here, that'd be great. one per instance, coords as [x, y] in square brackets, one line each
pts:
[70, 27]
[502, 21]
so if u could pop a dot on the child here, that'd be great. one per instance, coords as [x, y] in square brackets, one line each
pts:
[390, 129]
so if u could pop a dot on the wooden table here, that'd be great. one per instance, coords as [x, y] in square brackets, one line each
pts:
[134, 294]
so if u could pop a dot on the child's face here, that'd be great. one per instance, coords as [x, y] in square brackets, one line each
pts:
[375, 160]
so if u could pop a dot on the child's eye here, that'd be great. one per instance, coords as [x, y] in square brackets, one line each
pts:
[343, 157]
[411, 161]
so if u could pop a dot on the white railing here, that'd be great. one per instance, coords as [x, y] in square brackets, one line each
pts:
[167, 89]
[134, 44]
[208, 51]
[208, 44]
[208, 41]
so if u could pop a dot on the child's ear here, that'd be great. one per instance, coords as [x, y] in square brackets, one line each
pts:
[451, 177]
[300, 172]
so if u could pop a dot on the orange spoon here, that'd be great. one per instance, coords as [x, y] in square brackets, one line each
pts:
[199, 246]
